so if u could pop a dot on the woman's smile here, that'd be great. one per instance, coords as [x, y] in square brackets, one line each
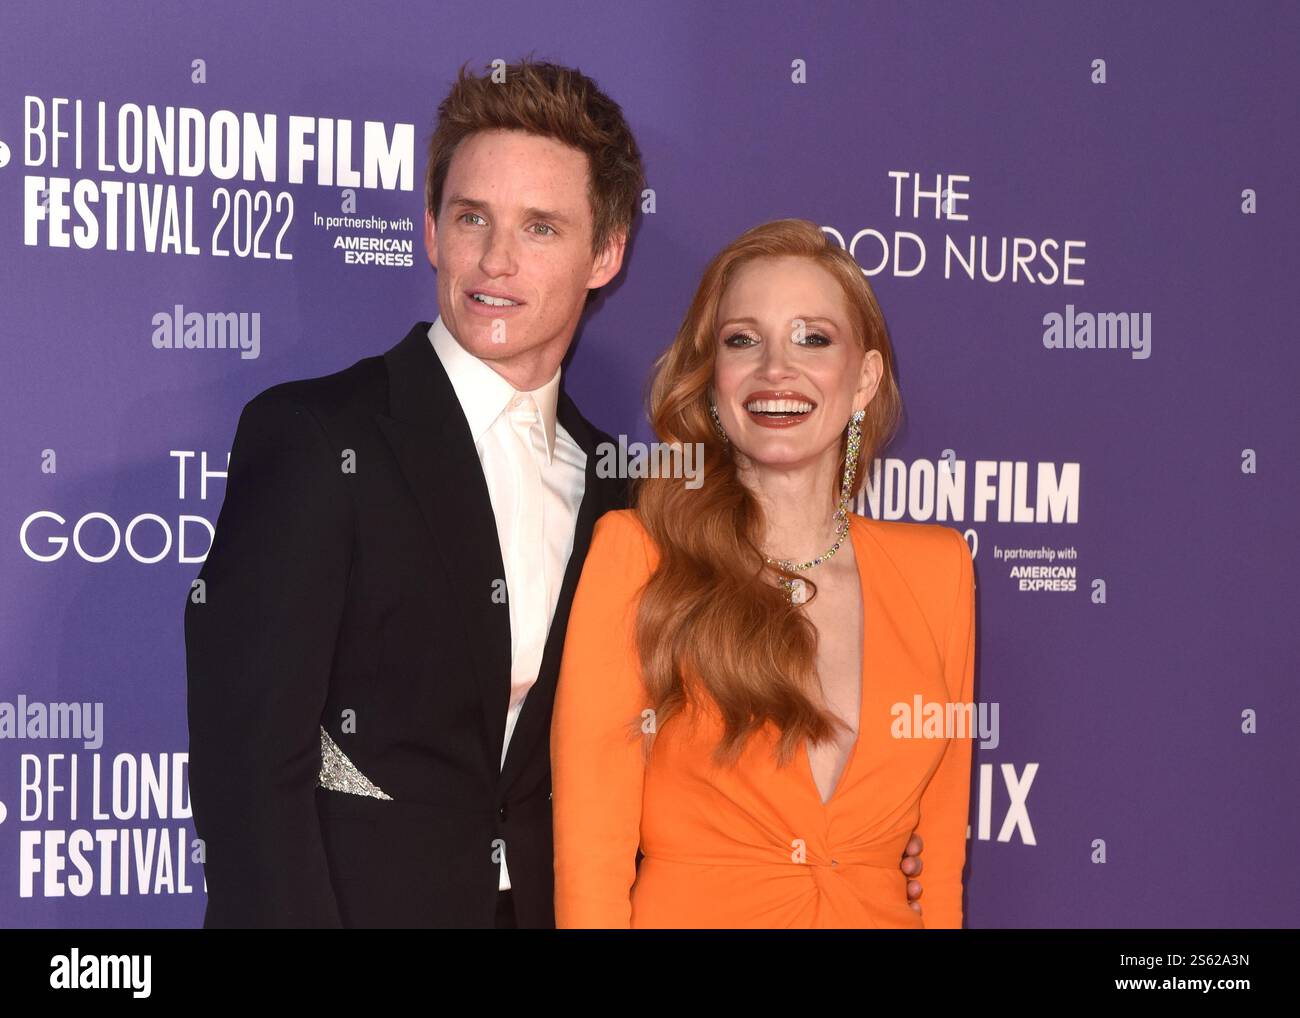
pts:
[783, 408]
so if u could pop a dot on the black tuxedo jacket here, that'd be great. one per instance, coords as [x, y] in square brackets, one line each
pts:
[346, 615]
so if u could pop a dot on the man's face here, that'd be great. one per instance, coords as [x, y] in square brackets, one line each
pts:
[512, 246]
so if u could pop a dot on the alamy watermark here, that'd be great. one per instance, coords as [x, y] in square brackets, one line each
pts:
[77, 971]
[178, 329]
[930, 720]
[655, 459]
[36, 720]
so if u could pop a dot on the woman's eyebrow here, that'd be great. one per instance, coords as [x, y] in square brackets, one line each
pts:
[806, 319]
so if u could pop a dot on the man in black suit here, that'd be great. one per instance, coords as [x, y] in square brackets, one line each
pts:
[374, 638]
[352, 679]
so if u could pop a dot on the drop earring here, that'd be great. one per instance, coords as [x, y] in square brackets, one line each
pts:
[851, 456]
[717, 423]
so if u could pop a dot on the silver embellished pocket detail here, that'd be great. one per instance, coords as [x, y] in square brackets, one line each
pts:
[339, 774]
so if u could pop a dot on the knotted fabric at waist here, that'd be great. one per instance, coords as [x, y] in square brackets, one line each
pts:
[881, 854]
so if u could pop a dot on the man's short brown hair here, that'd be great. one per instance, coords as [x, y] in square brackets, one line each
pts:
[554, 102]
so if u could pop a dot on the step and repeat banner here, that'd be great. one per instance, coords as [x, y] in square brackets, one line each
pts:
[1078, 220]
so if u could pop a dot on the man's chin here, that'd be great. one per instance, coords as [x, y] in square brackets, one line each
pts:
[490, 339]
[484, 345]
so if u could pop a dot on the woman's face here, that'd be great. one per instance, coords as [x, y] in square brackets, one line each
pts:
[788, 373]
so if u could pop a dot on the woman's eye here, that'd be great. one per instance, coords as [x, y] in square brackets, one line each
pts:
[740, 339]
[815, 339]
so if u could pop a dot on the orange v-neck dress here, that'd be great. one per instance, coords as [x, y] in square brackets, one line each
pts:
[753, 845]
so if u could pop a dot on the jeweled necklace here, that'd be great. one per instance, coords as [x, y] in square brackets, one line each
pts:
[841, 531]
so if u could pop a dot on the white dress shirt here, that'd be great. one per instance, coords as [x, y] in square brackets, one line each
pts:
[535, 475]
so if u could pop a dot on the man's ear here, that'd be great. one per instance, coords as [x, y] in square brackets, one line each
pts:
[608, 262]
[431, 238]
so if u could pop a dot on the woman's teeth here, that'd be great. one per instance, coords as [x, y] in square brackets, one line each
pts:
[778, 406]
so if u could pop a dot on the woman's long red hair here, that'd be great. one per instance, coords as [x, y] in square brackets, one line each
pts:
[713, 627]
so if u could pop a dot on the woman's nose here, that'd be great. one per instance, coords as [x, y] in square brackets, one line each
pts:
[776, 357]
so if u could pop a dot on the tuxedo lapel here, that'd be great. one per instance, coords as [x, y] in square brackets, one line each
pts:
[534, 718]
[431, 440]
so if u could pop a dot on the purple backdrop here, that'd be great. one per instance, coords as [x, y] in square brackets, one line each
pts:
[1147, 713]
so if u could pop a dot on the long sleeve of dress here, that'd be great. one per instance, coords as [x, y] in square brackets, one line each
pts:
[597, 771]
[946, 800]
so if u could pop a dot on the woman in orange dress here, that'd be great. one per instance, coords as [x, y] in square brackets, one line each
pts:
[757, 689]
